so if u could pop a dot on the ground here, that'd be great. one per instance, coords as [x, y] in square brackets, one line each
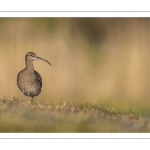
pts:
[18, 115]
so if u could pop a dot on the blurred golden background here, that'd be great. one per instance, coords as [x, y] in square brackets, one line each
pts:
[93, 59]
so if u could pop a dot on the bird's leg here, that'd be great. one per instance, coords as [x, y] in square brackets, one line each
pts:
[32, 99]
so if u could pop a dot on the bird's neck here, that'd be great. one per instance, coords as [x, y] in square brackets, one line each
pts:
[29, 65]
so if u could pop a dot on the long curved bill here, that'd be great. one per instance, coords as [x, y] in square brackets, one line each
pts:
[43, 60]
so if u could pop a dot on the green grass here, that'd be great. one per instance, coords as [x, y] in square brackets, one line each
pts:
[21, 116]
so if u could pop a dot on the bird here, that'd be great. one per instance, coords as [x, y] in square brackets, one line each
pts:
[29, 81]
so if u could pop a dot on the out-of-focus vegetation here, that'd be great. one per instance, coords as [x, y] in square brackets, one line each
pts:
[94, 60]
[17, 115]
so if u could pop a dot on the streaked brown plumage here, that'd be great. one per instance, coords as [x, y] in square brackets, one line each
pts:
[29, 81]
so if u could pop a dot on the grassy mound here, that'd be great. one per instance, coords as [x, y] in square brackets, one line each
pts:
[18, 115]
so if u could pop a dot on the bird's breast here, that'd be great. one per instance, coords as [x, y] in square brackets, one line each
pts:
[28, 83]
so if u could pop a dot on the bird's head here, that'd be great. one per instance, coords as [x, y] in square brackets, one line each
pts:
[30, 56]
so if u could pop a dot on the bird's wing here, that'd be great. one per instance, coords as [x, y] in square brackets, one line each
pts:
[38, 78]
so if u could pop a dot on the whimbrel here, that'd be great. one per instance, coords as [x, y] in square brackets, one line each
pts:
[28, 80]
